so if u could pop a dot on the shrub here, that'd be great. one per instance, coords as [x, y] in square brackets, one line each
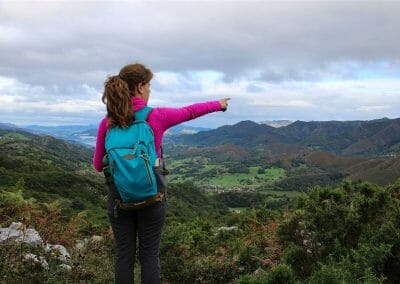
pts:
[281, 274]
[352, 231]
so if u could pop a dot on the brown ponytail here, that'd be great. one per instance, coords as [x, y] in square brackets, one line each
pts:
[118, 91]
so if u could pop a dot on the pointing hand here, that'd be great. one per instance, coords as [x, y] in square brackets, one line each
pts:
[224, 103]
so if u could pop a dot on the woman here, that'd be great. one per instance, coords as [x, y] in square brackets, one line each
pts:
[123, 95]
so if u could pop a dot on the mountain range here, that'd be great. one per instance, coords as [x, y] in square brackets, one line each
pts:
[366, 150]
[312, 153]
[379, 137]
[374, 138]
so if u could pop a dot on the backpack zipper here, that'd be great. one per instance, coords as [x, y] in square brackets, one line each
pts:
[146, 163]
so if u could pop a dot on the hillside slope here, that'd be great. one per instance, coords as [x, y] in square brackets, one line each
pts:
[378, 137]
[379, 171]
[51, 170]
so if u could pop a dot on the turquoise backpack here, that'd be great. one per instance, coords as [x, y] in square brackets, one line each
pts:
[131, 156]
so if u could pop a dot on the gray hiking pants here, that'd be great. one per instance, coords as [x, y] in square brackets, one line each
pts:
[147, 225]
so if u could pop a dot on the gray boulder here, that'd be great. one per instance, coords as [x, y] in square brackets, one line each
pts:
[59, 251]
[18, 232]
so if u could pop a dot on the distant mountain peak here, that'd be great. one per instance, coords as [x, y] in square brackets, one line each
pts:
[246, 122]
[251, 125]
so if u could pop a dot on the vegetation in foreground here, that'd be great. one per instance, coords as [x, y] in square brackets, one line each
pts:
[344, 234]
[333, 234]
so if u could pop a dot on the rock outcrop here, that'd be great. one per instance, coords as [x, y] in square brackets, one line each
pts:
[19, 233]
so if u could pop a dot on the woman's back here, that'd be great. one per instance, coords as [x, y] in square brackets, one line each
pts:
[125, 94]
[159, 119]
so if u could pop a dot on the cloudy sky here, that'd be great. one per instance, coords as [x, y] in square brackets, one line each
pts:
[296, 60]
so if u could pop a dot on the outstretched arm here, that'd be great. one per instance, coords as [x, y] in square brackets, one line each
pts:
[169, 117]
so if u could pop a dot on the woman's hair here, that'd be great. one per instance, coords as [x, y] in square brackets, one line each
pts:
[118, 91]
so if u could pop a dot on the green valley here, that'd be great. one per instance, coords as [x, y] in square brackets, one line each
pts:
[222, 175]
[263, 214]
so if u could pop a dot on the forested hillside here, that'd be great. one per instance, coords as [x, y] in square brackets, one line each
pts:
[51, 170]
[305, 154]
[372, 138]
[265, 215]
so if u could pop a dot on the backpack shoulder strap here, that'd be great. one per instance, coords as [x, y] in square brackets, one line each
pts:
[143, 113]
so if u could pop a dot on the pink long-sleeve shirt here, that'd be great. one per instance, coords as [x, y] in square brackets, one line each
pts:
[159, 119]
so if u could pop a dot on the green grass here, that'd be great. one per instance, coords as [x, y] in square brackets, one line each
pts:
[275, 174]
[192, 169]
[171, 164]
[251, 180]
[200, 171]
[17, 136]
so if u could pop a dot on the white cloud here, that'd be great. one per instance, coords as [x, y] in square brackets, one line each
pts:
[304, 60]
[7, 99]
[283, 104]
[36, 103]
[373, 108]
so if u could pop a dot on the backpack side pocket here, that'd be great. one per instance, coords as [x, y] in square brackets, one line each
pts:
[161, 178]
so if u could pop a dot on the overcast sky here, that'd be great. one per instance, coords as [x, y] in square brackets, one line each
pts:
[296, 60]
